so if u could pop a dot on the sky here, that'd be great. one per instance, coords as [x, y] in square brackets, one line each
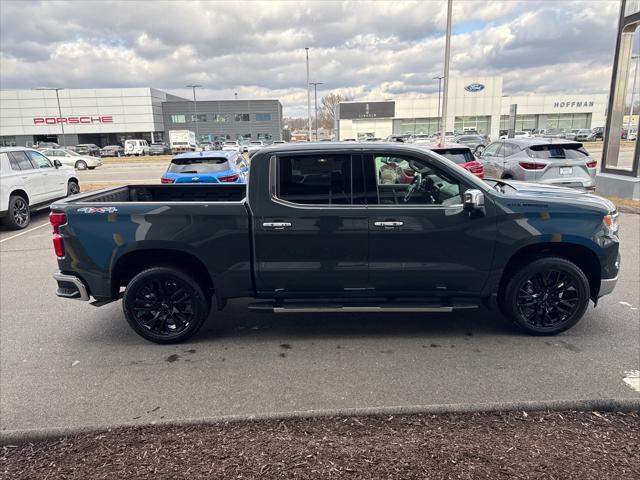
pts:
[368, 50]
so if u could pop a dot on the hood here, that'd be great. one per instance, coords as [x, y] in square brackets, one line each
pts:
[552, 192]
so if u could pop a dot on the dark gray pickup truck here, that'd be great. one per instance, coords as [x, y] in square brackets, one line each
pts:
[338, 227]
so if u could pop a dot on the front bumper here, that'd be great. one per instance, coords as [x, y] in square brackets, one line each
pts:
[607, 285]
[70, 286]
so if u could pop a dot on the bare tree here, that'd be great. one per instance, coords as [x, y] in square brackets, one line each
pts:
[330, 104]
[296, 123]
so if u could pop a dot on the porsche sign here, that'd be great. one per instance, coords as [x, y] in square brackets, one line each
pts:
[82, 120]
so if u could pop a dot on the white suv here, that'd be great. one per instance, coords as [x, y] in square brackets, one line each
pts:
[30, 181]
[136, 147]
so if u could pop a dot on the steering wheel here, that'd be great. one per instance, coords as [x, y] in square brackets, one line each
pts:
[413, 186]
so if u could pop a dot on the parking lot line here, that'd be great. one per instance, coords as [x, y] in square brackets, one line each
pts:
[23, 233]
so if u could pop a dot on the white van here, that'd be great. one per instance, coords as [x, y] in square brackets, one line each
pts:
[136, 147]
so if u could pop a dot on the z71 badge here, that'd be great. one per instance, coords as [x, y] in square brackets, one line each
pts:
[98, 210]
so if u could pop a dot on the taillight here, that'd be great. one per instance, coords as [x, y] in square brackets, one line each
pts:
[167, 180]
[532, 165]
[229, 178]
[592, 163]
[57, 219]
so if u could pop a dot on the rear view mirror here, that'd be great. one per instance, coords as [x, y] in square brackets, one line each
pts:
[473, 200]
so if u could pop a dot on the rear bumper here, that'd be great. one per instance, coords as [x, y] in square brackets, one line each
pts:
[70, 286]
[607, 285]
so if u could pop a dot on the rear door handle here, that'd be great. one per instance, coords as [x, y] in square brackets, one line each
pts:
[276, 225]
[389, 224]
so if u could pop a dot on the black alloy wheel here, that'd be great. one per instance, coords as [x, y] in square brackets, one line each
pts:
[18, 214]
[165, 305]
[547, 296]
[72, 188]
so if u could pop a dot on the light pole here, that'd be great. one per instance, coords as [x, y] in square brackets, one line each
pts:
[315, 102]
[439, 78]
[195, 110]
[308, 99]
[633, 91]
[447, 54]
[64, 141]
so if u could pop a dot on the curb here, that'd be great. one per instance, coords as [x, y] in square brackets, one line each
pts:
[16, 437]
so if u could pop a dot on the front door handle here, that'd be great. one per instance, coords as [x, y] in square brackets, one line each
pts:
[276, 225]
[389, 224]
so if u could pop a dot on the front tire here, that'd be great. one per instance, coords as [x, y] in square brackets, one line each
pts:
[18, 214]
[72, 188]
[546, 296]
[81, 165]
[165, 305]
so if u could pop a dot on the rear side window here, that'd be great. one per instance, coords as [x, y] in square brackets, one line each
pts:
[198, 165]
[509, 149]
[315, 179]
[457, 155]
[551, 151]
[20, 160]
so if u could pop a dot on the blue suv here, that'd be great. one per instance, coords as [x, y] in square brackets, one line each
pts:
[217, 166]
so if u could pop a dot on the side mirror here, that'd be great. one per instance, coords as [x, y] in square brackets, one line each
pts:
[473, 200]
[57, 163]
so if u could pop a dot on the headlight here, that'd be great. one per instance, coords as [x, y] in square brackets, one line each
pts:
[611, 222]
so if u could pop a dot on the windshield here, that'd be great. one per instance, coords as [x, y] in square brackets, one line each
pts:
[457, 155]
[557, 151]
[198, 165]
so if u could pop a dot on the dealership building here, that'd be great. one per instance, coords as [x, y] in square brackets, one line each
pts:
[111, 115]
[473, 103]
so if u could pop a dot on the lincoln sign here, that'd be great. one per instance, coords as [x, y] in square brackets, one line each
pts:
[72, 120]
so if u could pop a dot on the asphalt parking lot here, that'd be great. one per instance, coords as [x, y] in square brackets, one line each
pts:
[67, 364]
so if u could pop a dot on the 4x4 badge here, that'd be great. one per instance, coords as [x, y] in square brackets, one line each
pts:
[97, 210]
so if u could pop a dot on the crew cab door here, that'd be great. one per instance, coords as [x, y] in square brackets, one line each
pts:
[421, 240]
[310, 229]
[54, 181]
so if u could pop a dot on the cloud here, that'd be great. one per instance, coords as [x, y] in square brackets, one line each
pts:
[374, 49]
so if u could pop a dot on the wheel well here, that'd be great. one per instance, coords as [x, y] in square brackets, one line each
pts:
[20, 193]
[578, 254]
[73, 179]
[507, 176]
[130, 264]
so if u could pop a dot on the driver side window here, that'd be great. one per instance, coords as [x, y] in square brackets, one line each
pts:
[411, 181]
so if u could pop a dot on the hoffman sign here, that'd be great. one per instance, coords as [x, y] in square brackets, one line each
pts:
[72, 120]
[586, 103]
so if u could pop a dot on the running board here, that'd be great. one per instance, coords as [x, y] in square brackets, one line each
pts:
[336, 308]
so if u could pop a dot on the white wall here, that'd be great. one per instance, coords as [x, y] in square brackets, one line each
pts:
[132, 109]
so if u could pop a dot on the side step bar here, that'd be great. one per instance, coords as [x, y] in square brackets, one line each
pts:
[391, 307]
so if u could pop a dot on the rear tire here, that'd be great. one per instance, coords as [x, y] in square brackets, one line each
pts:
[18, 214]
[547, 296]
[165, 305]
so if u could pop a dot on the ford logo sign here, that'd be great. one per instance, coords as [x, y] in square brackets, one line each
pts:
[474, 87]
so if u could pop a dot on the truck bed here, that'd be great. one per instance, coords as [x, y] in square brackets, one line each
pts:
[165, 193]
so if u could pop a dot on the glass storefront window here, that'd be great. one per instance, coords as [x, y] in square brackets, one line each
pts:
[178, 119]
[480, 124]
[523, 122]
[419, 125]
[568, 121]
